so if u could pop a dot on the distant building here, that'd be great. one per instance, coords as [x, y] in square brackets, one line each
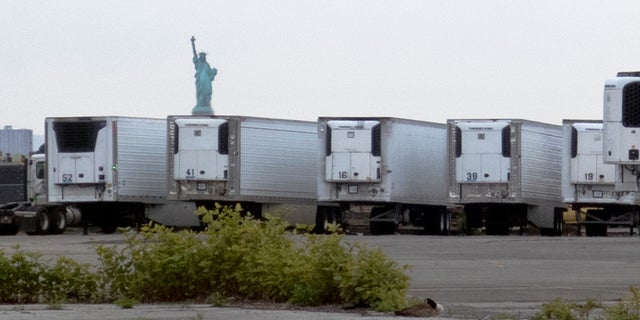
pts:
[15, 142]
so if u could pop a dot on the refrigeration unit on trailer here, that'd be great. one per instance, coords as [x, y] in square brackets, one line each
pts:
[588, 184]
[393, 168]
[266, 165]
[621, 134]
[113, 168]
[506, 173]
[622, 126]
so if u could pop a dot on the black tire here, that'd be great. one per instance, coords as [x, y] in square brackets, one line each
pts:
[58, 219]
[558, 226]
[42, 222]
[498, 221]
[388, 227]
[380, 227]
[497, 229]
[473, 216]
[599, 229]
[108, 228]
[324, 217]
[596, 230]
[437, 222]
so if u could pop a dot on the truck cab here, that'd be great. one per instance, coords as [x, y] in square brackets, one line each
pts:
[36, 183]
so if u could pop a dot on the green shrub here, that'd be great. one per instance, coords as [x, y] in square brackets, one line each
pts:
[558, 309]
[126, 303]
[627, 309]
[375, 280]
[114, 272]
[235, 256]
[68, 281]
[324, 263]
[238, 256]
[26, 278]
[21, 277]
[155, 265]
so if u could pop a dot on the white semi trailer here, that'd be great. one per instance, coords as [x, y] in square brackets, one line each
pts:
[394, 167]
[114, 169]
[588, 184]
[621, 135]
[266, 165]
[506, 173]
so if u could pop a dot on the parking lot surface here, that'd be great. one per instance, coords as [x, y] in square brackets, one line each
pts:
[472, 276]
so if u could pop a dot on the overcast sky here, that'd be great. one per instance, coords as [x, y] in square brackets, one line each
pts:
[543, 60]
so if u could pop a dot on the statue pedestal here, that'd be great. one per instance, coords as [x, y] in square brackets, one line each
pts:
[202, 111]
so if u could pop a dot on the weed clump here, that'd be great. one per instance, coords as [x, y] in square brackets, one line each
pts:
[26, 278]
[626, 309]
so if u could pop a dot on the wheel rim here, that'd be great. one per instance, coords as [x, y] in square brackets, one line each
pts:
[44, 222]
[61, 219]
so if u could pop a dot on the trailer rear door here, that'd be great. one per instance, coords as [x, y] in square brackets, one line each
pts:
[586, 155]
[201, 151]
[483, 152]
[353, 151]
[81, 151]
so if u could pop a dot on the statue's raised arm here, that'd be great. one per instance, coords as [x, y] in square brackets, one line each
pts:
[193, 45]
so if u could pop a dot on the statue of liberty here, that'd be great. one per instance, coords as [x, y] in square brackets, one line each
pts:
[204, 78]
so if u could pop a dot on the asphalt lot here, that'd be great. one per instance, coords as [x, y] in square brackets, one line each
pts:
[472, 276]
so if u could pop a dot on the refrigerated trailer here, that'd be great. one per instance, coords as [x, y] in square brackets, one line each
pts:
[266, 165]
[622, 126]
[621, 134]
[506, 173]
[395, 168]
[588, 184]
[114, 169]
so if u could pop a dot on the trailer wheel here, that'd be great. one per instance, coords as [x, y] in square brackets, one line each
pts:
[497, 229]
[58, 220]
[437, 222]
[596, 229]
[42, 222]
[496, 223]
[473, 216]
[108, 227]
[558, 222]
[445, 221]
[558, 225]
[380, 227]
[324, 217]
